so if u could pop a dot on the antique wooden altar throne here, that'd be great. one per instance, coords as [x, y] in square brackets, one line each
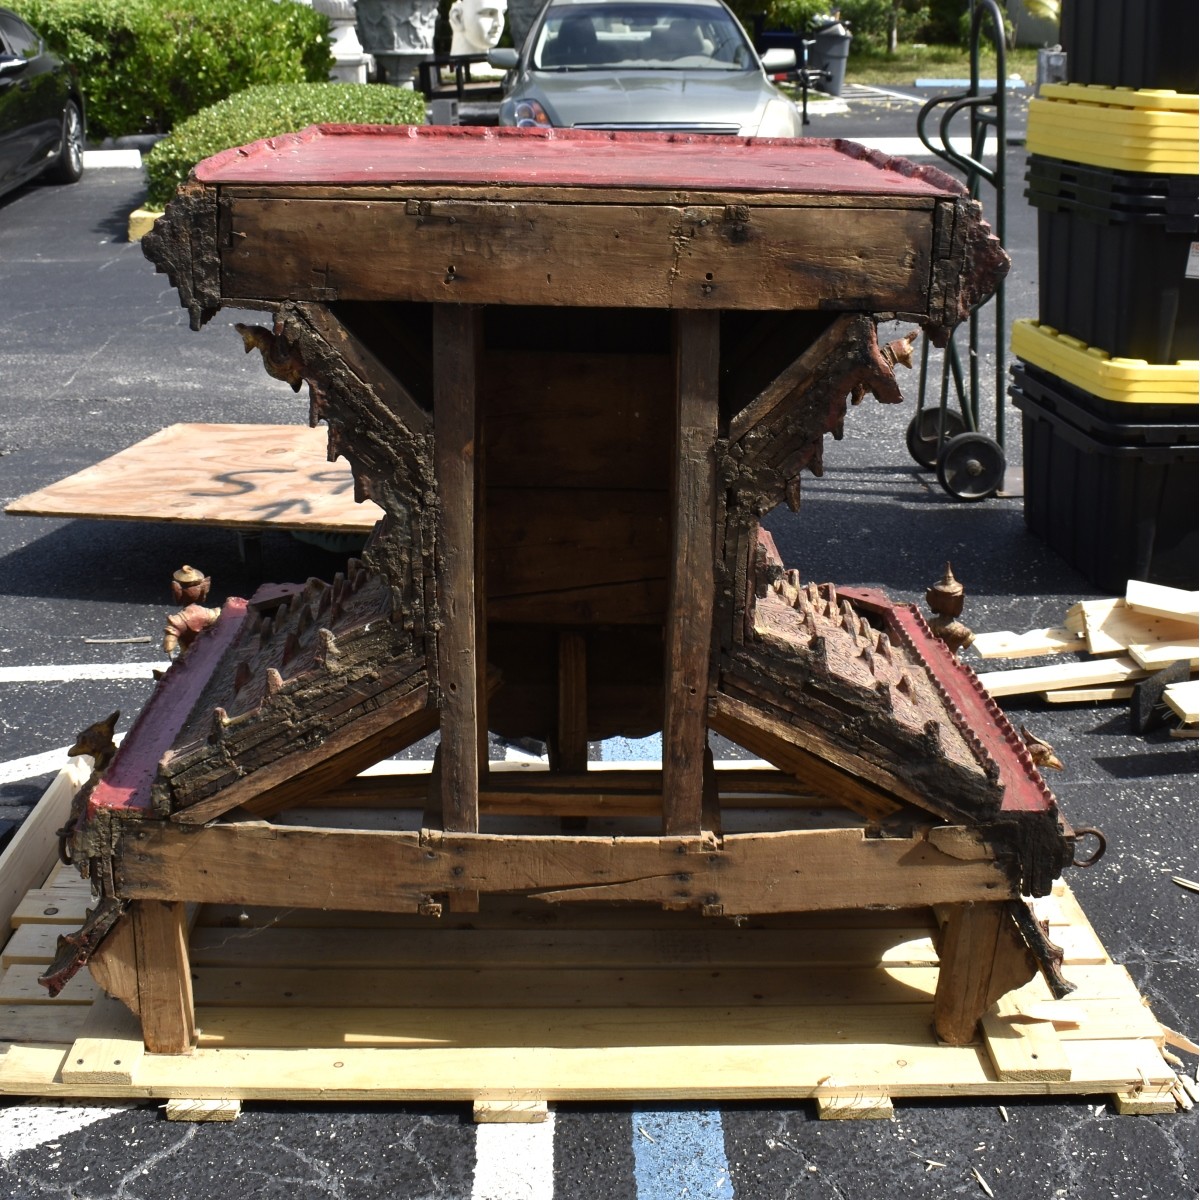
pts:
[575, 370]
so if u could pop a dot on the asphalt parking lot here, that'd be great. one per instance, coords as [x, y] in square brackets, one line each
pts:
[96, 354]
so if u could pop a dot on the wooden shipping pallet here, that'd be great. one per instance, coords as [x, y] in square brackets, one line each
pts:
[519, 1005]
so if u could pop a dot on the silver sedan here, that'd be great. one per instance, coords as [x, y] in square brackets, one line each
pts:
[668, 65]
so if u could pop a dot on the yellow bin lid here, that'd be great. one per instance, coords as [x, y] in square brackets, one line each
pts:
[1122, 128]
[1128, 380]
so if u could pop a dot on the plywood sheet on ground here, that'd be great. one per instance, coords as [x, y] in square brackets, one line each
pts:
[248, 477]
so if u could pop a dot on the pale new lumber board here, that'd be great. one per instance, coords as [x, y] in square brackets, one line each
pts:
[1096, 695]
[1006, 644]
[1156, 656]
[510, 1112]
[832, 1007]
[181, 1109]
[32, 853]
[239, 476]
[853, 1037]
[1111, 626]
[1061, 675]
[1184, 699]
[1160, 601]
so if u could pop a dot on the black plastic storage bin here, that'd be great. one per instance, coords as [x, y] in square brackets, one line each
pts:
[1114, 512]
[1117, 422]
[1113, 250]
[1131, 43]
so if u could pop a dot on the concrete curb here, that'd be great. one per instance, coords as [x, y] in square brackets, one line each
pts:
[95, 160]
[141, 221]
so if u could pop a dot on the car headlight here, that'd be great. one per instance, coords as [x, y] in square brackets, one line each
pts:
[780, 119]
[524, 114]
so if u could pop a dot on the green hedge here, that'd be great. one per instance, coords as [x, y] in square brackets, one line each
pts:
[146, 65]
[268, 111]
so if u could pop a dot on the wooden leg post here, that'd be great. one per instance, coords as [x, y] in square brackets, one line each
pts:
[690, 585]
[571, 744]
[982, 957]
[164, 976]
[462, 651]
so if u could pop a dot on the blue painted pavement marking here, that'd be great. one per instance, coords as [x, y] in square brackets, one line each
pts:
[678, 1153]
[619, 749]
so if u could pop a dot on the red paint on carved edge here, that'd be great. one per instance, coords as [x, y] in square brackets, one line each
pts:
[127, 782]
[1024, 788]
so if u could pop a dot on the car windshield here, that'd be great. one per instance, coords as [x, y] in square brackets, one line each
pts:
[584, 37]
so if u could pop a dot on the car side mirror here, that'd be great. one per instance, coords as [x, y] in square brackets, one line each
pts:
[503, 58]
[778, 59]
[10, 64]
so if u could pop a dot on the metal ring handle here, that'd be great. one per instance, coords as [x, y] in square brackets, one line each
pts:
[1097, 855]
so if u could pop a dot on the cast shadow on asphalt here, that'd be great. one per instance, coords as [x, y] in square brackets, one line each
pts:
[120, 562]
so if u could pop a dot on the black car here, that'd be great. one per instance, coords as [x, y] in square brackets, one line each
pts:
[41, 110]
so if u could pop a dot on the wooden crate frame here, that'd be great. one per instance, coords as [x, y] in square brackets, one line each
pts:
[504, 1009]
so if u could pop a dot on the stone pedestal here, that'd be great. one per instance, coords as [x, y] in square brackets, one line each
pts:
[398, 34]
[351, 63]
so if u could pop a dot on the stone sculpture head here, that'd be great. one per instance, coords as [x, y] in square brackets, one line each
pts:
[476, 25]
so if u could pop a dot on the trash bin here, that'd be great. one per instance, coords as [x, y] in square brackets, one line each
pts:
[830, 53]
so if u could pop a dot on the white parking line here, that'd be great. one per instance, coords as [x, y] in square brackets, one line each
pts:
[93, 160]
[27, 1126]
[514, 1162]
[69, 672]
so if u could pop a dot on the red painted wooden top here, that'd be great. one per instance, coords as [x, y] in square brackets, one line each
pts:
[127, 782]
[477, 156]
[1024, 788]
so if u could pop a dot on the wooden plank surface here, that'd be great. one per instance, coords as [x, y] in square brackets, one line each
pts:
[1159, 601]
[237, 476]
[838, 1034]
[1061, 675]
[751, 873]
[33, 851]
[1112, 626]
[595, 255]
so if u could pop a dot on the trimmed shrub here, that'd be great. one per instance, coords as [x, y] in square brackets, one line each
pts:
[145, 65]
[262, 112]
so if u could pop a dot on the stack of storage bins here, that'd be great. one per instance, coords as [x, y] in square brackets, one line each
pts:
[1107, 380]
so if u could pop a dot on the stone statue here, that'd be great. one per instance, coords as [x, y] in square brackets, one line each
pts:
[399, 33]
[476, 25]
[350, 63]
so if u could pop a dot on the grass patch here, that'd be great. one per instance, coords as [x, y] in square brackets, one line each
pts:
[910, 63]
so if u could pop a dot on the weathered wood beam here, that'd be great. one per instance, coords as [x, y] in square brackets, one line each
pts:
[795, 871]
[690, 587]
[338, 757]
[838, 255]
[364, 363]
[461, 590]
[781, 745]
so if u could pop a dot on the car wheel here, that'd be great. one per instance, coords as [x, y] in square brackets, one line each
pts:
[67, 167]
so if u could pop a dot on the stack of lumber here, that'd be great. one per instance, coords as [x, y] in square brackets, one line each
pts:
[1113, 644]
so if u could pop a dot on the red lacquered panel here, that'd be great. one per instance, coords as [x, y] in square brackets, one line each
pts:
[477, 156]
